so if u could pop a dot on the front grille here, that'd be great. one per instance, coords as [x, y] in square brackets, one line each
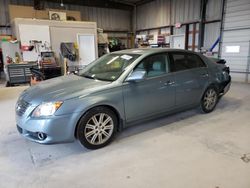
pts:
[21, 107]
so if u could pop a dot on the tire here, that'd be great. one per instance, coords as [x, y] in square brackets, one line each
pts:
[97, 127]
[209, 100]
[7, 84]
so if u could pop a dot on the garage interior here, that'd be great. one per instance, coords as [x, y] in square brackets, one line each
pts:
[188, 149]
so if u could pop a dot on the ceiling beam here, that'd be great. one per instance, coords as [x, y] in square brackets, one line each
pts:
[96, 3]
[124, 2]
[37, 4]
[143, 2]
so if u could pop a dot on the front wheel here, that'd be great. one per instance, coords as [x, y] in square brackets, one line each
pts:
[97, 128]
[209, 100]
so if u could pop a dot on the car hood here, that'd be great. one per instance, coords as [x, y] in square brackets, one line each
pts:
[62, 88]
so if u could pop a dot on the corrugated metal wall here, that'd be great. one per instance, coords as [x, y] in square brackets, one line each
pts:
[212, 32]
[108, 19]
[4, 13]
[185, 11]
[153, 14]
[237, 14]
[4, 10]
[214, 8]
[236, 39]
[157, 13]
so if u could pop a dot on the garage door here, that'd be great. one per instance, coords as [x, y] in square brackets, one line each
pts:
[236, 39]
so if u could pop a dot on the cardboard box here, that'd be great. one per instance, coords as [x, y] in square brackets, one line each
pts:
[17, 11]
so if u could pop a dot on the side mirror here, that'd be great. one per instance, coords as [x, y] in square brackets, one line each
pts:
[136, 76]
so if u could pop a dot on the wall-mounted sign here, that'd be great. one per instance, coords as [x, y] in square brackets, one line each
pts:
[232, 49]
[178, 25]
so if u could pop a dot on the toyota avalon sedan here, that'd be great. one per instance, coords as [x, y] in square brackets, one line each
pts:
[116, 91]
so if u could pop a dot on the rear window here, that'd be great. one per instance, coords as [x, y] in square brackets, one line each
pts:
[183, 61]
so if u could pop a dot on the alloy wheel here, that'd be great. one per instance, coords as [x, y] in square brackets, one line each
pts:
[99, 128]
[210, 99]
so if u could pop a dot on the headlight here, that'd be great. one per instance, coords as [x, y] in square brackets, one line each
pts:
[46, 109]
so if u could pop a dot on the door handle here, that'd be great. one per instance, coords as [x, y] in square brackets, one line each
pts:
[169, 83]
[204, 75]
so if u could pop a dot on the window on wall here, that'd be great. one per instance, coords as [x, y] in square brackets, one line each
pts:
[184, 61]
[154, 65]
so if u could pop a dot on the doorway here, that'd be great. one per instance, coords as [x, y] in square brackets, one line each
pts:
[87, 49]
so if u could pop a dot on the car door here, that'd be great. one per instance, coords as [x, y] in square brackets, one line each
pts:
[191, 76]
[154, 94]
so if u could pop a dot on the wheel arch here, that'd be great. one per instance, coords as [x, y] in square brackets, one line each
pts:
[116, 112]
[214, 85]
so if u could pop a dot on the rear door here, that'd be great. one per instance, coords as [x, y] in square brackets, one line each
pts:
[191, 76]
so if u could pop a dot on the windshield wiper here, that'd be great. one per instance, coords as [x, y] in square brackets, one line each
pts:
[87, 76]
[103, 79]
[95, 78]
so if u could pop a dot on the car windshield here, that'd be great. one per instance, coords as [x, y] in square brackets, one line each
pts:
[109, 67]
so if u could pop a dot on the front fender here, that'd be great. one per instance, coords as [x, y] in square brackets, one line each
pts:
[80, 105]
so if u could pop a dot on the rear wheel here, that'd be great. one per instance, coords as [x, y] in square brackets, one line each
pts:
[97, 128]
[7, 84]
[209, 100]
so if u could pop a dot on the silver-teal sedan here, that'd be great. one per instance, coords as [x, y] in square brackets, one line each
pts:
[116, 91]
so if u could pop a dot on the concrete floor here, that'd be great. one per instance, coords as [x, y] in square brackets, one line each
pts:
[186, 150]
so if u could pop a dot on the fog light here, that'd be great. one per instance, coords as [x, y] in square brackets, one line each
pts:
[41, 136]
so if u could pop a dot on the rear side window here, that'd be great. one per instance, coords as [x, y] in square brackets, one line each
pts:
[197, 62]
[183, 61]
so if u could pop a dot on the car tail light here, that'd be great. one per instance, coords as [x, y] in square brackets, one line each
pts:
[226, 69]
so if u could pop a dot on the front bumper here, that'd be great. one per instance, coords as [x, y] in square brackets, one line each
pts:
[56, 128]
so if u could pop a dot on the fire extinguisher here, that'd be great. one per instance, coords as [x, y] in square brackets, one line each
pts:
[8, 59]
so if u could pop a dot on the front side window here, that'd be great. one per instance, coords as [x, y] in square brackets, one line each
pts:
[109, 67]
[154, 65]
[183, 61]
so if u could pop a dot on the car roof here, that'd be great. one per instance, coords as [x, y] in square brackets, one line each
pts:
[147, 51]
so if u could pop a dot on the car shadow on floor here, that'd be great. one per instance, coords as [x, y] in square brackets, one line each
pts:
[228, 103]
[42, 155]
[174, 121]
